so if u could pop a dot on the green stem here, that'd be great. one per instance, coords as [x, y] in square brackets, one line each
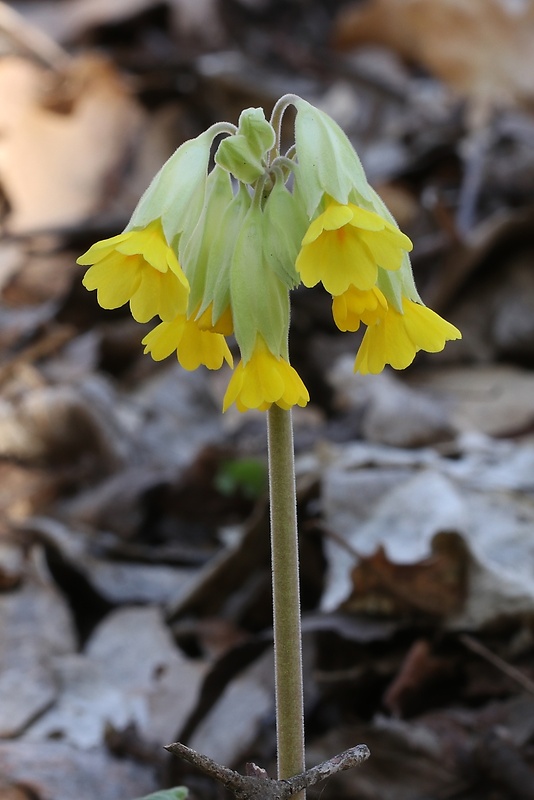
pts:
[276, 120]
[286, 595]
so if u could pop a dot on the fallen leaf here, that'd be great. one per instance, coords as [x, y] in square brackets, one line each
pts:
[391, 412]
[85, 120]
[57, 771]
[226, 732]
[482, 48]
[131, 673]
[35, 626]
[436, 585]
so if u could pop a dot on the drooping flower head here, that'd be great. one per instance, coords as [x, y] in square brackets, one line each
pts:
[139, 267]
[215, 253]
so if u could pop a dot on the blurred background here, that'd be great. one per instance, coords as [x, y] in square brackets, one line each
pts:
[134, 556]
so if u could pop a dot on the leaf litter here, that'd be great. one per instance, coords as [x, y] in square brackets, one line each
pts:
[134, 559]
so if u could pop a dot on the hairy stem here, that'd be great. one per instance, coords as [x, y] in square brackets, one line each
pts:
[286, 595]
[276, 120]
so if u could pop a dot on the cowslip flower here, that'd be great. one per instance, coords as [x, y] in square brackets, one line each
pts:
[263, 380]
[214, 252]
[194, 346]
[345, 245]
[395, 337]
[355, 306]
[137, 266]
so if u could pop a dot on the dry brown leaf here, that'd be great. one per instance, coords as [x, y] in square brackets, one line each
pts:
[64, 139]
[436, 585]
[482, 48]
[14, 793]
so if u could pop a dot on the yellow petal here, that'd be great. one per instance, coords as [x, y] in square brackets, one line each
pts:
[101, 249]
[335, 216]
[427, 330]
[265, 379]
[396, 338]
[114, 279]
[198, 347]
[164, 338]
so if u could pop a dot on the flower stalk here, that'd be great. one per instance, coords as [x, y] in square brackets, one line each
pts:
[286, 595]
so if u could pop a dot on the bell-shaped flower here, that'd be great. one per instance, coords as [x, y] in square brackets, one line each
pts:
[263, 380]
[137, 266]
[396, 337]
[346, 245]
[355, 306]
[194, 346]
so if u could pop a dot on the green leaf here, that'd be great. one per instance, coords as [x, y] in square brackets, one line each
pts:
[178, 793]
[248, 475]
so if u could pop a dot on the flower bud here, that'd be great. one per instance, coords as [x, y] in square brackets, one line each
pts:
[244, 154]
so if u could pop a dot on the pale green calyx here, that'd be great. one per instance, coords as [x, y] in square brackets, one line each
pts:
[259, 299]
[399, 284]
[194, 251]
[244, 155]
[176, 194]
[217, 288]
[284, 228]
[327, 162]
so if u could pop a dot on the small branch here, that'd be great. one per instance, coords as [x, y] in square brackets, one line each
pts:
[228, 777]
[515, 674]
[346, 760]
[260, 787]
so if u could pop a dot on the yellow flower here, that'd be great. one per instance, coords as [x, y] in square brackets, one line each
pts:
[395, 338]
[265, 379]
[355, 306]
[140, 267]
[345, 245]
[193, 346]
[223, 325]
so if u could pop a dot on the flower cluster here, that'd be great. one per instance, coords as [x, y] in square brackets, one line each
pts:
[214, 253]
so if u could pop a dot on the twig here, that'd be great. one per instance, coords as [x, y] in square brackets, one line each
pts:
[31, 38]
[252, 787]
[516, 675]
